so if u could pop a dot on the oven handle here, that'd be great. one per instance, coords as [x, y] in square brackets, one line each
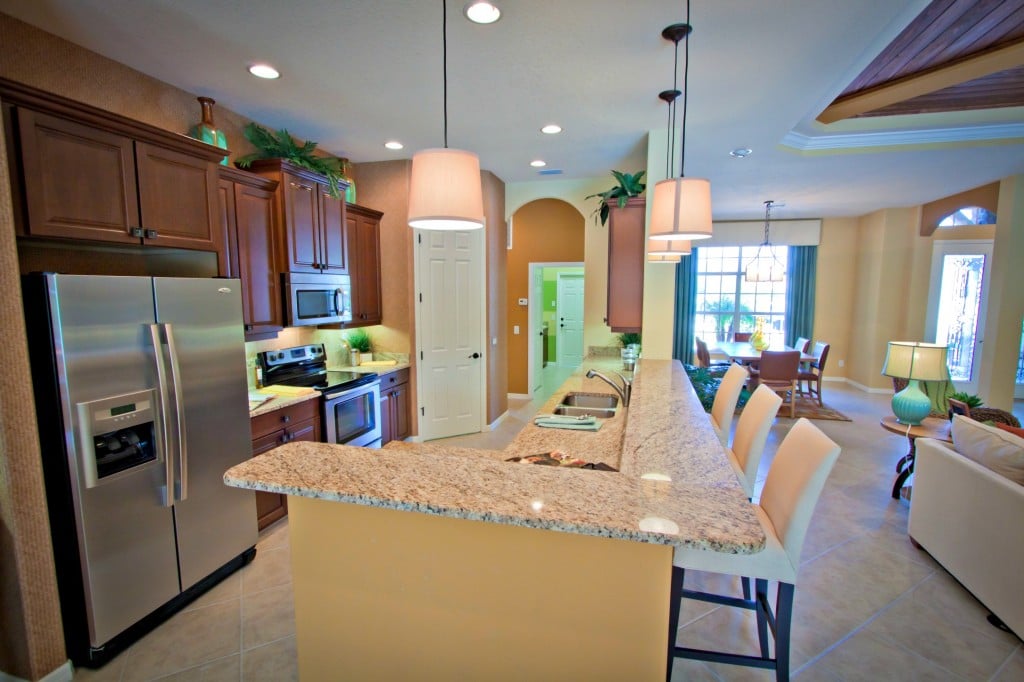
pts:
[330, 398]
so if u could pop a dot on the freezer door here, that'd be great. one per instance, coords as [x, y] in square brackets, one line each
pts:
[202, 323]
[125, 534]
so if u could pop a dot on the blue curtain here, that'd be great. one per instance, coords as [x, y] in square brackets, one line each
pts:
[800, 275]
[685, 308]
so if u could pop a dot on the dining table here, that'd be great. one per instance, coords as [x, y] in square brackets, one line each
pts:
[745, 354]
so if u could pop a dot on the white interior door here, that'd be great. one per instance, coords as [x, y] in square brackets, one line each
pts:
[450, 332]
[570, 320]
[957, 302]
[536, 330]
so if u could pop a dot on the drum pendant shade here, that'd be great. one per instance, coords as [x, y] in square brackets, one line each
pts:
[445, 190]
[681, 210]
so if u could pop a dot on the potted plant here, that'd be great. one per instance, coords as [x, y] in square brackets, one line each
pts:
[629, 186]
[281, 145]
[359, 340]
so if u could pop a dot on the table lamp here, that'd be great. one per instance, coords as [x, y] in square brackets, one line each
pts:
[915, 362]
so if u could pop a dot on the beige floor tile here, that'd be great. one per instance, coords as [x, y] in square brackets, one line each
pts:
[270, 568]
[1013, 669]
[866, 656]
[274, 662]
[933, 623]
[225, 590]
[692, 671]
[111, 672]
[815, 672]
[267, 616]
[227, 669]
[187, 640]
[274, 536]
[838, 592]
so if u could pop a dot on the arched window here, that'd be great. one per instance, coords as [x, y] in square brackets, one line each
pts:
[969, 215]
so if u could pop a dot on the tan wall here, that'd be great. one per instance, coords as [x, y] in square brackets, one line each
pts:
[986, 196]
[835, 289]
[545, 231]
[497, 311]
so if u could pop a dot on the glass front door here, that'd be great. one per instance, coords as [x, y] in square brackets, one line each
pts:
[957, 303]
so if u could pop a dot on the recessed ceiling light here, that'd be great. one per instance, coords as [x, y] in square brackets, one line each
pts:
[741, 152]
[551, 129]
[264, 71]
[482, 12]
[538, 163]
[394, 144]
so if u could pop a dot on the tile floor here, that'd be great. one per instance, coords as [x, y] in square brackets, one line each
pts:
[868, 605]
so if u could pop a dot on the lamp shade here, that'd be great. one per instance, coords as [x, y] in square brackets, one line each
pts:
[445, 191]
[681, 209]
[668, 247]
[912, 360]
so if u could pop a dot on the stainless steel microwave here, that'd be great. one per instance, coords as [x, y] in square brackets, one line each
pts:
[317, 299]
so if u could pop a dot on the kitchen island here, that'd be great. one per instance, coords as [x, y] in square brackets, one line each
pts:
[428, 561]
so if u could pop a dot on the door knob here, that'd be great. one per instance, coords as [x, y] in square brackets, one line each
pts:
[474, 356]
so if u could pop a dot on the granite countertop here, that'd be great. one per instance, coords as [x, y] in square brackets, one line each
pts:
[675, 485]
[280, 401]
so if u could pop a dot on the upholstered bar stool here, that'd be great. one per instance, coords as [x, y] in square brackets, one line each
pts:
[795, 480]
[751, 433]
[724, 406]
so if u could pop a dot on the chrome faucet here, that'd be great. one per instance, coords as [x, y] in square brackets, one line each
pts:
[624, 391]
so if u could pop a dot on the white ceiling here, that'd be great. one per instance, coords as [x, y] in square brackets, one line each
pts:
[356, 73]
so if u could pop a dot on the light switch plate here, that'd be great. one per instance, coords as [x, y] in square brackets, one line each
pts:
[515, 329]
[524, 301]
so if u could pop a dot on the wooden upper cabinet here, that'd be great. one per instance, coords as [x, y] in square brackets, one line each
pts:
[177, 198]
[247, 213]
[626, 260]
[333, 224]
[79, 181]
[86, 182]
[364, 265]
[302, 223]
[312, 222]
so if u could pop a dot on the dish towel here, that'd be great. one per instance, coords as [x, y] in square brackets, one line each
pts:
[556, 421]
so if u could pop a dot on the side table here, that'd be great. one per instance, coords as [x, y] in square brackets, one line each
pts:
[931, 427]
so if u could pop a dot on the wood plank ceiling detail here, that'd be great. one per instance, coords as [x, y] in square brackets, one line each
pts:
[956, 55]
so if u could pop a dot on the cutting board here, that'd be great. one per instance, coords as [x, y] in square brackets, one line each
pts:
[278, 389]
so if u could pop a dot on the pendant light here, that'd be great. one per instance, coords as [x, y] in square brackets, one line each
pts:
[444, 187]
[681, 206]
[766, 268]
[670, 250]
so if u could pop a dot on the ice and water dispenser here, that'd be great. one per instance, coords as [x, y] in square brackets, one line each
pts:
[117, 434]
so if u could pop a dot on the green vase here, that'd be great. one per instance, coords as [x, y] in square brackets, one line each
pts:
[206, 131]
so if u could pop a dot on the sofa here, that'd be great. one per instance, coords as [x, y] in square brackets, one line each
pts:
[971, 519]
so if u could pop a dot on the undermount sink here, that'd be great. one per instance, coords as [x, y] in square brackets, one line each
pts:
[572, 411]
[600, 405]
[601, 400]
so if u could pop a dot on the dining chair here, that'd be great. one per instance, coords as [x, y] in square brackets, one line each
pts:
[795, 480]
[801, 344]
[812, 374]
[704, 355]
[740, 337]
[728, 394]
[778, 370]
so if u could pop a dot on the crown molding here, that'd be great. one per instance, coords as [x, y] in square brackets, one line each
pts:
[897, 138]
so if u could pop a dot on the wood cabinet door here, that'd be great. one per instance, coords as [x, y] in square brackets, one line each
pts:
[79, 181]
[177, 199]
[333, 226]
[302, 223]
[400, 410]
[261, 290]
[626, 259]
[229, 235]
[386, 418]
[269, 506]
[365, 269]
[307, 431]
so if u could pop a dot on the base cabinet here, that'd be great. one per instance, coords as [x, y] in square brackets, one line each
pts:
[299, 422]
[395, 406]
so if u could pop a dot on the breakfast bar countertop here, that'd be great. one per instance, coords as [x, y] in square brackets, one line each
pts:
[665, 435]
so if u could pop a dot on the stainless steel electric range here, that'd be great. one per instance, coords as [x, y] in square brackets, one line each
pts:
[350, 401]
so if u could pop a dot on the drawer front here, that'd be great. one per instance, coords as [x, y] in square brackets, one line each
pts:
[394, 379]
[285, 417]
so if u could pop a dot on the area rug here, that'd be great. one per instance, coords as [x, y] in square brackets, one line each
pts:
[808, 408]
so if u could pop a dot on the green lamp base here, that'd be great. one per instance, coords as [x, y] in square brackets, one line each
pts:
[911, 405]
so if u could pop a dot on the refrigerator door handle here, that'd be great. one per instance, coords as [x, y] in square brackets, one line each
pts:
[182, 482]
[164, 435]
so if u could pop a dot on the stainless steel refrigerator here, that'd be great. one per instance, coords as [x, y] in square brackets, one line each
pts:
[141, 396]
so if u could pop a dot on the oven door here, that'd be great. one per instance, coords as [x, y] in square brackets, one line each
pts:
[317, 299]
[352, 417]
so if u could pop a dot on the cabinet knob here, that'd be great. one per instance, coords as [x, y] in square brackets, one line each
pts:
[283, 439]
[135, 231]
[150, 234]
[286, 418]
